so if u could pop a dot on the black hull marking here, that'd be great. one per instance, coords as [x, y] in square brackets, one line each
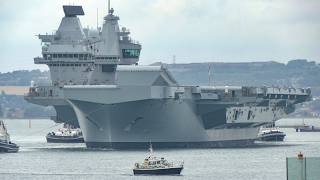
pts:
[56, 139]
[165, 171]
[145, 145]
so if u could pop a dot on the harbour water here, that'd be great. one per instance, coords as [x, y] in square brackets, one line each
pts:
[40, 160]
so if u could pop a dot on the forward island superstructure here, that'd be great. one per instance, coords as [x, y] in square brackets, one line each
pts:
[119, 104]
[71, 53]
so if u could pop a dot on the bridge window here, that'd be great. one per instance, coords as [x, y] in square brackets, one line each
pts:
[81, 56]
[249, 115]
[131, 53]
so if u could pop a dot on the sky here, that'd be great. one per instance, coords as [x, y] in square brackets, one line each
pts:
[191, 30]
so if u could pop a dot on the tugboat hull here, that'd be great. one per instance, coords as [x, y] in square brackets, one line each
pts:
[273, 137]
[11, 147]
[159, 171]
[64, 139]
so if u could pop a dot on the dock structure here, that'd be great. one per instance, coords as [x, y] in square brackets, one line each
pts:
[303, 168]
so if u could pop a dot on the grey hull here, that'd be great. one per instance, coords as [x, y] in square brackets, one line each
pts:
[165, 123]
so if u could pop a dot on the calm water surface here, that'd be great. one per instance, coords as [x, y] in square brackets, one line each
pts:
[39, 160]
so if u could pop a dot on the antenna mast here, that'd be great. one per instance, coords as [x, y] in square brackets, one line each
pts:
[97, 18]
[209, 74]
[108, 6]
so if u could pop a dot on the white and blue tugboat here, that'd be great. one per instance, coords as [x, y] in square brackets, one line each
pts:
[5, 144]
[271, 134]
[67, 134]
[155, 166]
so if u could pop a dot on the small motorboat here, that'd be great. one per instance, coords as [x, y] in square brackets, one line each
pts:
[67, 134]
[308, 129]
[5, 144]
[155, 166]
[271, 134]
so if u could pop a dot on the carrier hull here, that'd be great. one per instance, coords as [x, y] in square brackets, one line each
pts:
[167, 124]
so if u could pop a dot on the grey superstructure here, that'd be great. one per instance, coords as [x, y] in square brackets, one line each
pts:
[121, 105]
[70, 54]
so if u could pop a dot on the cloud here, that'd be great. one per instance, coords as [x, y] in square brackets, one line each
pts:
[193, 30]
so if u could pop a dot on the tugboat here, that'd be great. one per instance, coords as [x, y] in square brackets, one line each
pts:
[271, 134]
[155, 166]
[67, 134]
[5, 144]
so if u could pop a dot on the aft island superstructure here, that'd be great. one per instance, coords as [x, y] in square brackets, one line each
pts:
[97, 83]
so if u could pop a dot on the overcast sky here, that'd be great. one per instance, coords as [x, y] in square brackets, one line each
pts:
[192, 30]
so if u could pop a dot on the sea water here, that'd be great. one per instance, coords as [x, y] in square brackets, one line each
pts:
[40, 160]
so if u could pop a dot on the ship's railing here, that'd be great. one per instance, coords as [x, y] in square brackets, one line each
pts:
[47, 37]
[43, 91]
[265, 91]
[293, 91]
[234, 93]
[39, 60]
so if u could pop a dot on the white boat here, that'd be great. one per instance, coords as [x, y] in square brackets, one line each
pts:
[271, 134]
[157, 166]
[67, 134]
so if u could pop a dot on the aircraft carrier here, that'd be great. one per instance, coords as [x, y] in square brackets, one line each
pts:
[98, 85]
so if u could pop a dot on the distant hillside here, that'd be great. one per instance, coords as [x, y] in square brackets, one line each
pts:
[22, 77]
[296, 73]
